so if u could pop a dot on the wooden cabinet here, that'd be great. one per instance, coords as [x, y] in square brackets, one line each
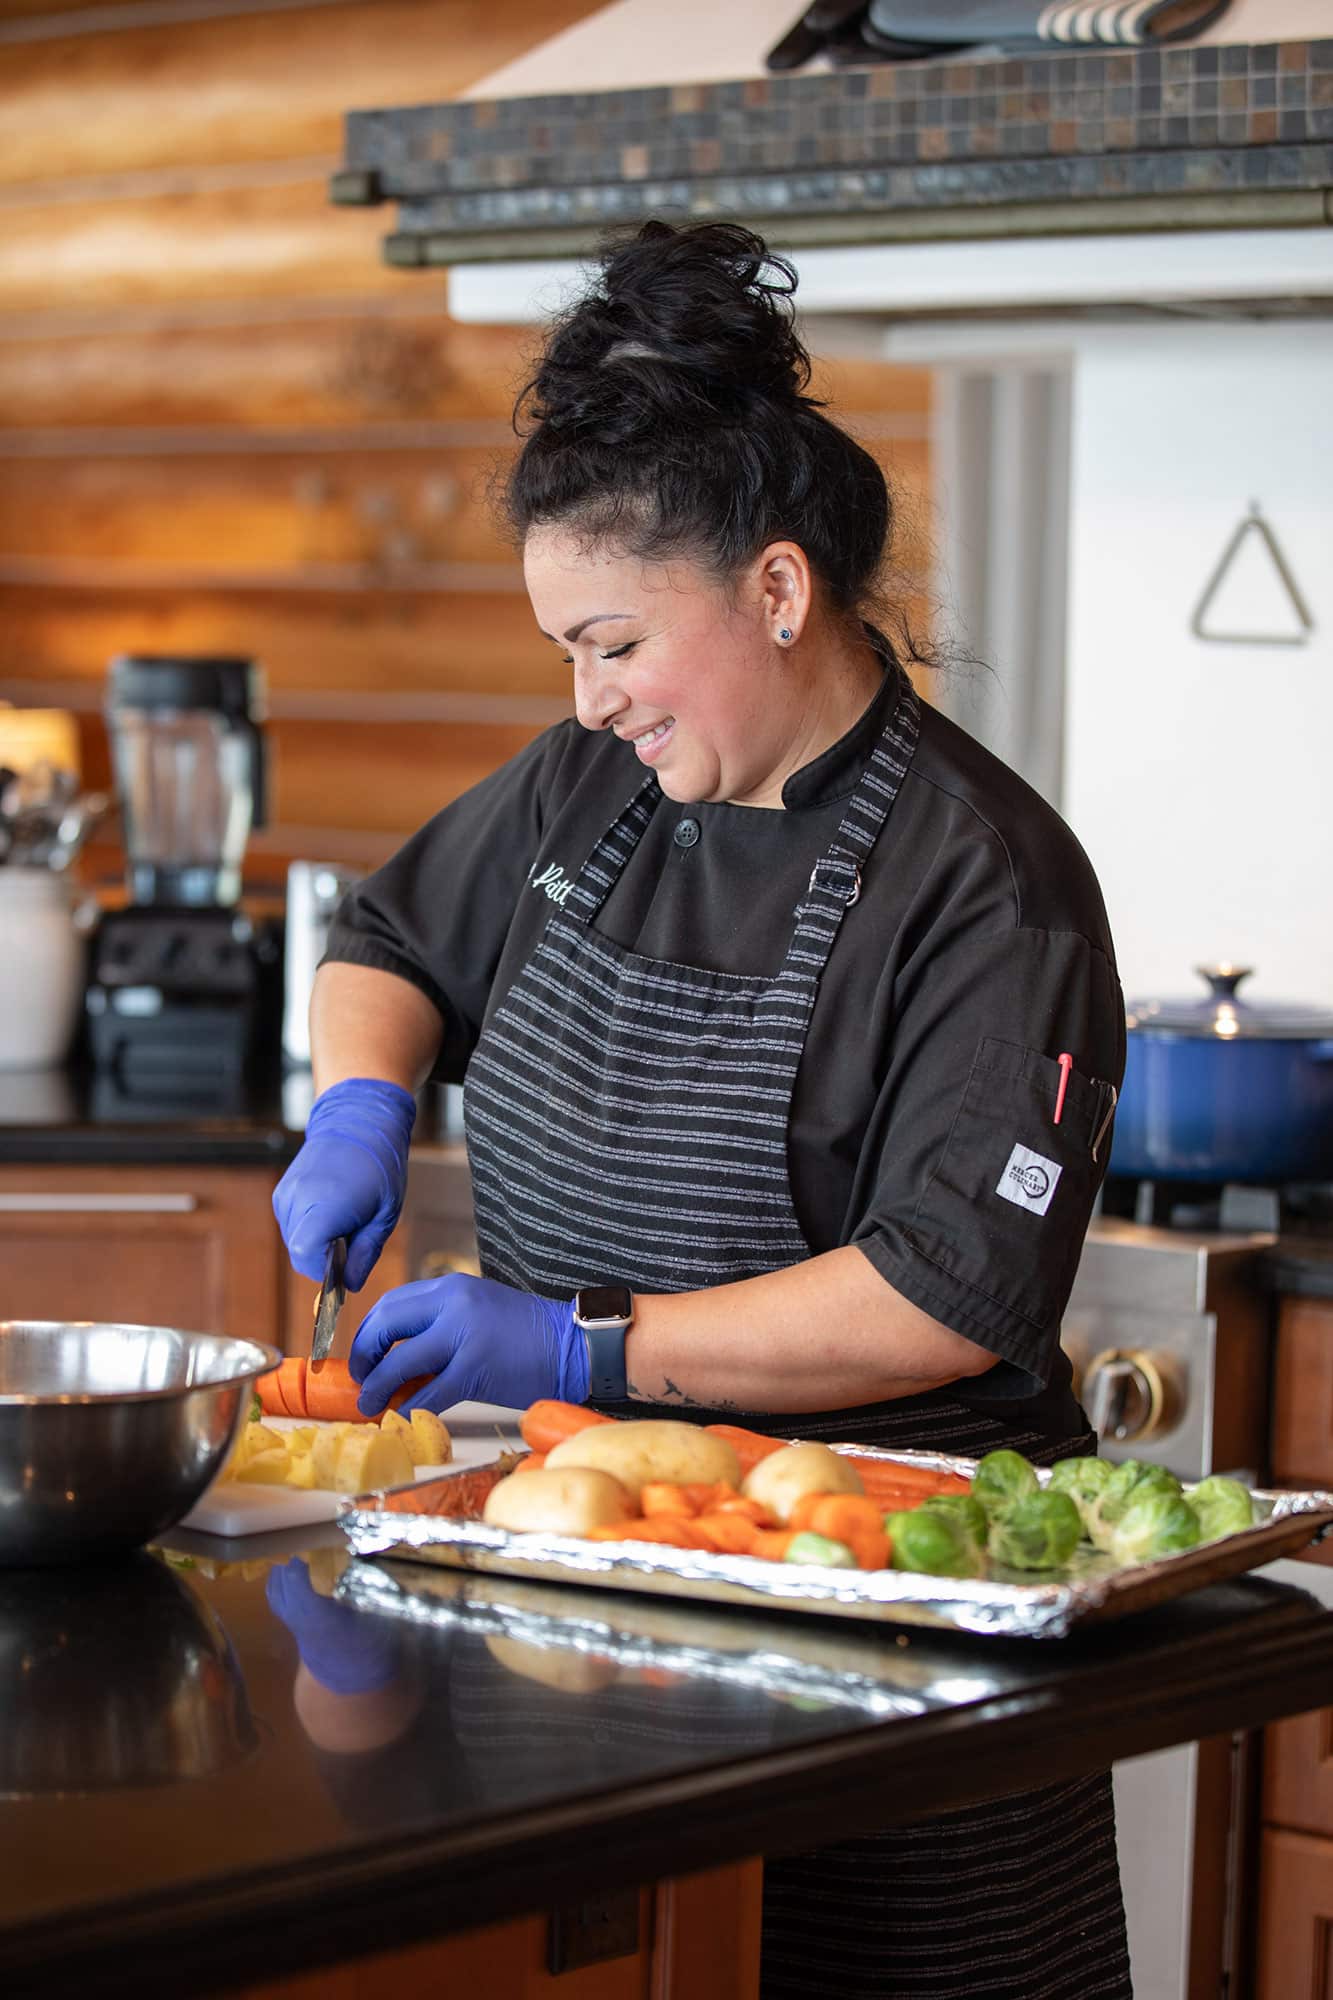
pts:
[194, 1247]
[1295, 1917]
[698, 1939]
[197, 1246]
[1295, 1927]
[1302, 1453]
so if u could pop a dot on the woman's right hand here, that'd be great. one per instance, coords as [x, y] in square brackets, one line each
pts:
[349, 1177]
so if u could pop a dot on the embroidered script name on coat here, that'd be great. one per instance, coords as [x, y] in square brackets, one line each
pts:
[552, 881]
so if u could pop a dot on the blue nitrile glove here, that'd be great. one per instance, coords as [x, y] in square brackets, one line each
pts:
[479, 1341]
[349, 1652]
[349, 1177]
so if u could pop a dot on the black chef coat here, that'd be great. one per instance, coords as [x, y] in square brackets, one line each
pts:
[922, 1124]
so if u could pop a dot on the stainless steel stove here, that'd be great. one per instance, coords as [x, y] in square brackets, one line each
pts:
[1168, 1330]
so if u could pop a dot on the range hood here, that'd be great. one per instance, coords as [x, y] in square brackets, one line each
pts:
[1142, 180]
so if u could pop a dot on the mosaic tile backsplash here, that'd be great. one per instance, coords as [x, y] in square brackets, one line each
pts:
[1230, 120]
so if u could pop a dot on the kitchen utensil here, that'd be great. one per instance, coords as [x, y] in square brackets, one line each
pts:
[329, 1303]
[314, 891]
[109, 1433]
[123, 1678]
[41, 968]
[1226, 1089]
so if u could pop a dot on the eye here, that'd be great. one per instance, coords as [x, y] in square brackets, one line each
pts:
[619, 652]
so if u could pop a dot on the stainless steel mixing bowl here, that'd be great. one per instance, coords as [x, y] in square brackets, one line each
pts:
[110, 1433]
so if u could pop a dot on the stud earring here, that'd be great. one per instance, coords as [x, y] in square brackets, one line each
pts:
[784, 634]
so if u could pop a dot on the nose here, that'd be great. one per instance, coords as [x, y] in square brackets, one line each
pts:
[597, 698]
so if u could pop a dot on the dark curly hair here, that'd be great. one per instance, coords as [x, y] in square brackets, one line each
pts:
[669, 413]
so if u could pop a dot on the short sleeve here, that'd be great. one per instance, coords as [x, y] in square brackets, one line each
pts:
[438, 912]
[978, 1194]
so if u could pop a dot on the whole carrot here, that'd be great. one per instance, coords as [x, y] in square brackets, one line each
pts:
[749, 1446]
[544, 1423]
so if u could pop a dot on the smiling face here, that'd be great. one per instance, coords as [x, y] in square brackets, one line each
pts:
[694, 675]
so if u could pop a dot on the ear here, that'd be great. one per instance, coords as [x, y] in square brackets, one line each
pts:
[784, 590]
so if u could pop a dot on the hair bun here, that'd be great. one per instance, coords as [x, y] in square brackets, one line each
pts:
[692, 322]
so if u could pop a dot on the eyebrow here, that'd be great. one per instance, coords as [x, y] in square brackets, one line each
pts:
[598, 618]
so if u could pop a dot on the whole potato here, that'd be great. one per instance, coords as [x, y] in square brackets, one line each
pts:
[784, 1477]
[565, 1501]
[635, 1453]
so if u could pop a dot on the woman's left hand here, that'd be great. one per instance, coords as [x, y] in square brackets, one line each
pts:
[479, 1341]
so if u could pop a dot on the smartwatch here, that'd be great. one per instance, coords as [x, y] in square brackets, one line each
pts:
[604, 1312]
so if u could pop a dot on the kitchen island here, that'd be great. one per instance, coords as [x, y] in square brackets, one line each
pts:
[237, 1764]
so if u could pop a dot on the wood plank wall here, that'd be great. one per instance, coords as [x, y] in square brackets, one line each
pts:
[225, 425]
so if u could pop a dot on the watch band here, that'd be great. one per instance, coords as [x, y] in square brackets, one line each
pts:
[605, 1314]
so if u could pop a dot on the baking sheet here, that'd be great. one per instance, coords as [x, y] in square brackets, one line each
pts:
[1091, 1589]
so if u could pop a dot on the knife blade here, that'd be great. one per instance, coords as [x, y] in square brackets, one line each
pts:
[328, 1303]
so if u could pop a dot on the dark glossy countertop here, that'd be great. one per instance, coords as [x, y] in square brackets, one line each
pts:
[81, 1118]
[188, 1807]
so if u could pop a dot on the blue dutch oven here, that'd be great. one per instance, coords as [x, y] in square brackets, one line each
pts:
[1220, 1089]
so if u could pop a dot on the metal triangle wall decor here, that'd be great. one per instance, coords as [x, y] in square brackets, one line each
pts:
[1271, 586]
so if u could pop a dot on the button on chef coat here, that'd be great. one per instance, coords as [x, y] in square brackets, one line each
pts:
[978, 952]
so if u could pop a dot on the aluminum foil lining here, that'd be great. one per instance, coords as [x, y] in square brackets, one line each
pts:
[1091, 1588]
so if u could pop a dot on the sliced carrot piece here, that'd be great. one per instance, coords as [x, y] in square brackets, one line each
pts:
[660, 1496]
[772, 1543]
[855, 1520]
[544, 1423]
[270, 1398]
[750, 1510]
[730, 1534]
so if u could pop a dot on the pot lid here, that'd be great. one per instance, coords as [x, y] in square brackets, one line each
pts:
[1223, 1014]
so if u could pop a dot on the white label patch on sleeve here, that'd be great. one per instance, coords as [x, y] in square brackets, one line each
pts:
[1029, 1180]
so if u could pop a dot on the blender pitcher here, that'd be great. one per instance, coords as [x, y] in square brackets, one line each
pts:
[189, 762]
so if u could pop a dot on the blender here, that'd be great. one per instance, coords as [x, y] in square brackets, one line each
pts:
[177, 975]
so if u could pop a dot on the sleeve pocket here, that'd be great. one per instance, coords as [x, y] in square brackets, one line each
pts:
[1007, 1207]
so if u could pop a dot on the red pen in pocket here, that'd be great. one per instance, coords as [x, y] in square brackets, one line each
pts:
[1066, 1063]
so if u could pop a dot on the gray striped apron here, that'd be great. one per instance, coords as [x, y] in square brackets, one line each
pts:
[627, 1121]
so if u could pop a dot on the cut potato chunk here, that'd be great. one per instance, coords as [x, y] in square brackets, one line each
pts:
[264, 1468]
[371, 1457]
[427, 1440]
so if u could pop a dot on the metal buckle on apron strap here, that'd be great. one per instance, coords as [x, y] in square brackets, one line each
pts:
[838, 885]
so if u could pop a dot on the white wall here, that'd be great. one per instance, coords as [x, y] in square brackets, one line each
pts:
[632, 43]
[1200, 776]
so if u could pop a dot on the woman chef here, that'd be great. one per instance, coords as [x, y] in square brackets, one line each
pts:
[790, 1024]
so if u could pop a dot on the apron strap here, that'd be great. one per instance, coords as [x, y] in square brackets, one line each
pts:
[604, 866]
[835, 880]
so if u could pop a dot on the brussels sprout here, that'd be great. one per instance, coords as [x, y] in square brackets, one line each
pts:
[1001, 1478]
[812, 1548]
[933, 1543]
[1131, 1481]
[1081, 1478]
[1040, 1531]
[1223, 1507]
[1154, 1524]
[965, 1509]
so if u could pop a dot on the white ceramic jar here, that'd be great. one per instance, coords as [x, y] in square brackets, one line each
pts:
[41, 968]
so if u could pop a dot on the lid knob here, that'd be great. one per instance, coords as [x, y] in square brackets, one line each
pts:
[1223, 979]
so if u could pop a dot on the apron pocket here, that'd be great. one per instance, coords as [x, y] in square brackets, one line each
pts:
[1006, 1209]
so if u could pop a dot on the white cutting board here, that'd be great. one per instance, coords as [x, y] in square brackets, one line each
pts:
[229, 1507]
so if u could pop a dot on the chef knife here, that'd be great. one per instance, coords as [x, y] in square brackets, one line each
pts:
[329, 1302]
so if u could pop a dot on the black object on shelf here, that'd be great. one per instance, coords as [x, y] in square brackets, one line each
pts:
[845, 31]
